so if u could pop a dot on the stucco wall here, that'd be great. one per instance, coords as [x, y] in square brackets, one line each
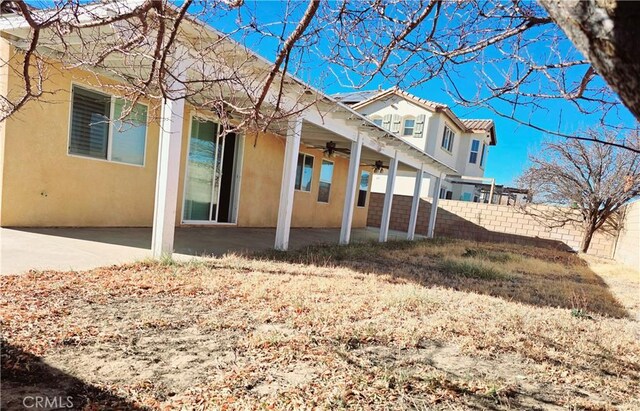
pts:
[42, 185]
[486, 222]
[260, 188]
[628, 242]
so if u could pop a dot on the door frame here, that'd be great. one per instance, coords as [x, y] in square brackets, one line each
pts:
[239, 159]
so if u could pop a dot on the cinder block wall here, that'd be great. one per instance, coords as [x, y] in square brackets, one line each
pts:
[486, 222]
[628, 245]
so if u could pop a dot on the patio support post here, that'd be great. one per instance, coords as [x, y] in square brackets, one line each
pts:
[493, 186]
[415, 204]
[351, 189]
[168, 174]
[388, 198]
[434, 207]
[285, 208]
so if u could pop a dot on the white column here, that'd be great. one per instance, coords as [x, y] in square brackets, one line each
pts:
[388, 199]
[285, 208]
[434, 207]
[493, 186]
[166, 197]
[351, 190]
[415, 204]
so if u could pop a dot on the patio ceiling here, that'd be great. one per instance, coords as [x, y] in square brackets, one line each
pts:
[317, 137]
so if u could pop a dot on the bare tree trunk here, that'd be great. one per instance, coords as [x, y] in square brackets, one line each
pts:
[587, 235]
[607, 32]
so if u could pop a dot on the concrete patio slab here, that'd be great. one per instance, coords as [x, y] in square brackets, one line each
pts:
[22, 250]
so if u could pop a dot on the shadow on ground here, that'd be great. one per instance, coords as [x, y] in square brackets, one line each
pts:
[539, 276]
[28, 382]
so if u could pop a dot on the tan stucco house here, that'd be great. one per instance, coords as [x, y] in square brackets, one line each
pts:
[68, 160]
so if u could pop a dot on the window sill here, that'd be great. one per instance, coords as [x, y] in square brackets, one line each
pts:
[103, 160]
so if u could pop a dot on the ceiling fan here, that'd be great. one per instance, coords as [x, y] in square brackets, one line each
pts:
[331, 148]
[378, 166]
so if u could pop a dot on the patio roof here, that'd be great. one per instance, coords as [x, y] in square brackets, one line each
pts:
[210, 52]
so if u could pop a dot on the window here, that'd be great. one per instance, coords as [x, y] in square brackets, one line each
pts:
[128, 136]
[326, 174]
[447, 139]
[304, 172]
[442, 193]
[364, 187]
[377, 121]
[448, 195]
[475, 147]
[97, 131]
[408, 126]
[484, 148]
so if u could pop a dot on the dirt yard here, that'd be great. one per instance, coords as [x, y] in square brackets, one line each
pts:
[426, 325]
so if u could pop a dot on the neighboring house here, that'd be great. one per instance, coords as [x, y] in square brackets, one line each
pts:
[432, 127]
[65, 160]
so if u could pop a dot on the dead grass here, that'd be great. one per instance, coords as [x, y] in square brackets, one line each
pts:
[531, 275]
[432, 325]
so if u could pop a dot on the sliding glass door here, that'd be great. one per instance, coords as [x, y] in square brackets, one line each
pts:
[211, 174]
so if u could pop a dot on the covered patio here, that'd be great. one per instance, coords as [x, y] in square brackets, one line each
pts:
[87, 248]
[306, 118]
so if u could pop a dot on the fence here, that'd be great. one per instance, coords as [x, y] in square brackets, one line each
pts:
[627, 248]
[493, 222]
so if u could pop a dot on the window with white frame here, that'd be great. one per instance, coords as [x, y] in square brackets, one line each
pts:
[473, 155]
[482, 155]
[447, 139]
[442, 193]
[363, 188]
[326, 175]
[408, 126]
[304, 172]
[98, 131]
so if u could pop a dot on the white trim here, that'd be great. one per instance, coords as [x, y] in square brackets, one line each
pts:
[217, 173]
[388, 199]
[205, 223]
[351, 188]
[168, 175]
[404, 120]
[433, 214]
[238, 171]
[415, 204]
[285, 206]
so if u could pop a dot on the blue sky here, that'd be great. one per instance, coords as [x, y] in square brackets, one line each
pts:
[506, 160]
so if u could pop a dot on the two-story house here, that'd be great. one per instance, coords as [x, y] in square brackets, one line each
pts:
[432, 127]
